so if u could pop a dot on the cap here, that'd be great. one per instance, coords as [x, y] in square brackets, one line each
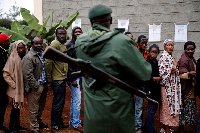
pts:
[4, 37]
[99, 10]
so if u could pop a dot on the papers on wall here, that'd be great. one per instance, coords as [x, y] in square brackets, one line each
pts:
[180, 33]
[77, 22]
[154, 33]
[123, 23]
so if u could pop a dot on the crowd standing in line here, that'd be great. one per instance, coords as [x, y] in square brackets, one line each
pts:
[107, 108]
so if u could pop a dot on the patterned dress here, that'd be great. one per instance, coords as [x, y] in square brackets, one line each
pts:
[170, 91]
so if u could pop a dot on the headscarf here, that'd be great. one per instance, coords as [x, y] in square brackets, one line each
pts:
[166, 41]
[14, 68]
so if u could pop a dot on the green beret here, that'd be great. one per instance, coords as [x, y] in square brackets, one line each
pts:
[99, 10]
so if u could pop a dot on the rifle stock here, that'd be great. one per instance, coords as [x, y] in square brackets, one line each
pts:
[98, 75]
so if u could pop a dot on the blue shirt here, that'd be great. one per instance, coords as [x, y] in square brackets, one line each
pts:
[42, 78]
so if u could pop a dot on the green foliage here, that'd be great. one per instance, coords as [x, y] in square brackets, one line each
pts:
[23, 22]
[6, 23]
[24, 32]
[15, 36]
[32, 21]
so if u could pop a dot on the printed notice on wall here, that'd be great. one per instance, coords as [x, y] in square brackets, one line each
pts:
[154, 33]
[77, 22]
[123, 23]
[180, 33]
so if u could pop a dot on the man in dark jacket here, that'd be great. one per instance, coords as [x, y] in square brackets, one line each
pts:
[4, 46]
[74, 84]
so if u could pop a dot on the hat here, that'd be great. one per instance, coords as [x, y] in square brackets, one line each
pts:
[166, 41]
[99, 10]
[142, 37]
[4, 37]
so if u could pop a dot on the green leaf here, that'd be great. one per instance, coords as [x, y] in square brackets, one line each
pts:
[32, 21]
[17, 27]
[27, 30]
[52, 30]
[68, 22]
[15, 36]
[43, 30]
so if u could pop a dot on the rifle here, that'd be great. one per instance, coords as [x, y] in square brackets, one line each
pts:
[87, 69]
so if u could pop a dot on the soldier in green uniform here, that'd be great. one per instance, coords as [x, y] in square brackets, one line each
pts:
[109, 109]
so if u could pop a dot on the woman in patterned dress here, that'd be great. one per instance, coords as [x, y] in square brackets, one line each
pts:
[170, 87]
[187, 65]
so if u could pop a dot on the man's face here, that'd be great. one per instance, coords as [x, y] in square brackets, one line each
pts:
[37, 45]
[21, 49]
[77, 32]
[6, 44]
[143, 43]
[61, 35]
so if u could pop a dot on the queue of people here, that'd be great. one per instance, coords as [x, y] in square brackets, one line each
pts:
[107, 108]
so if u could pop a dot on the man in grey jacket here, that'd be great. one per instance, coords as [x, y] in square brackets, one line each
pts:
[34, 74]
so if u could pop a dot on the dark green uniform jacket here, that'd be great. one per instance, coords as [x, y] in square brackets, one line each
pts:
[110, 109]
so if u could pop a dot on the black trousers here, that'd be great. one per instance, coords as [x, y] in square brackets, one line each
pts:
[14, 118]
[3, 106]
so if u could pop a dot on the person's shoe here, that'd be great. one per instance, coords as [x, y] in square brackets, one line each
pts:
[139, 131]
[42, 125]
[162, 130]
[55, 128]
[20, 128]
[79, 129]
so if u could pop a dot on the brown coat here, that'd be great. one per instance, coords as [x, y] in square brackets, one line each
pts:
[12, 74]
[32, 70]
[186, 65]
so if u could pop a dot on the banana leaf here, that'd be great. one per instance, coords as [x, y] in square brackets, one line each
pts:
[27, 30]
[68, 22]
[32, 21]
[51, 30]
[43, 29]
[17, 27]
[15, 36]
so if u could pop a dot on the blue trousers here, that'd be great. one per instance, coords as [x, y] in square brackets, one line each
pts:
[59, 92]
[75, 103]
[152, 107]
[138, 113]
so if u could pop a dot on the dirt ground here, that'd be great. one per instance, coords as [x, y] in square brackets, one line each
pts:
[47, 115]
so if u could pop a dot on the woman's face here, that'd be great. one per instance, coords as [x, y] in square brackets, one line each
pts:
[153, 53]
[190, 50]
[169, 47]
[21, 49]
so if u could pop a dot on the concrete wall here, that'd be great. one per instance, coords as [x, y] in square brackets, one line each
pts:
[38, 10]
[140, 13]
